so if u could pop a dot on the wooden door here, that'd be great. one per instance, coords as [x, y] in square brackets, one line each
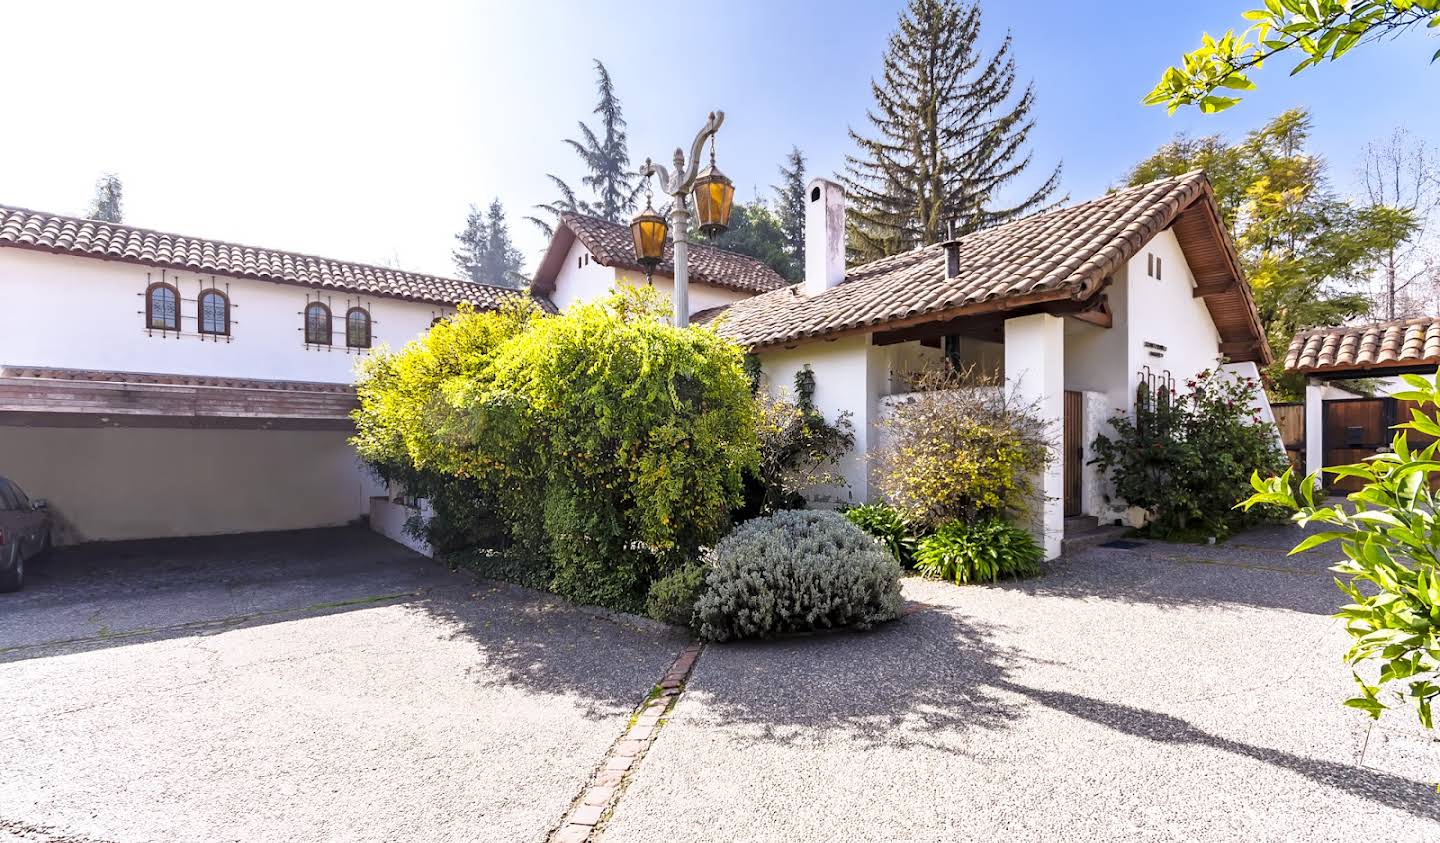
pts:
[1073, 450]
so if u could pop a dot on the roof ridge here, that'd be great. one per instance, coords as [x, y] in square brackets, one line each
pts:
[193, 237]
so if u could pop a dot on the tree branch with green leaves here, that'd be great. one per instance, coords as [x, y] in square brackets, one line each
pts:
[1321, 30]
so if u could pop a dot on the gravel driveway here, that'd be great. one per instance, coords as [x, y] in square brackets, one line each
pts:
[322, 685]
[1161, 693]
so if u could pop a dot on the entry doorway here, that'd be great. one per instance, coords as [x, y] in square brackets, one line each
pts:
[1073, 450]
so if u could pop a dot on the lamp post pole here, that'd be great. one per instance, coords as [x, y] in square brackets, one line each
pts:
[678, 187]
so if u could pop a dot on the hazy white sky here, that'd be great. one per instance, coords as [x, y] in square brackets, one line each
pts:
[363, 130]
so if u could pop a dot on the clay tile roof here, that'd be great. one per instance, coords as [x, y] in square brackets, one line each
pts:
[26, 229]
[611, 245]
[1067, 253]
[152, 379]
[1357, 348]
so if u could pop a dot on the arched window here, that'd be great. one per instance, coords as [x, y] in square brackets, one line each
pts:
[357, 328]
[214, 312]
[317, 323]
[162, 307]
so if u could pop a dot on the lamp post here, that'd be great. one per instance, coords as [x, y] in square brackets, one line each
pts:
[712, 194]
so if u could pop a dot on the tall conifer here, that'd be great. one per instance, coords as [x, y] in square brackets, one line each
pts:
[949, 138]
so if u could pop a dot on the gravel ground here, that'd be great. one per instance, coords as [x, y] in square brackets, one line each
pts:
[1162, 693]
[323, 685]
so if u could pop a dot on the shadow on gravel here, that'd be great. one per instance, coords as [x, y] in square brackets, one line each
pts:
[936, 679]
[928, 679]
[547, 645]
[1392, 791]
[1250, 569]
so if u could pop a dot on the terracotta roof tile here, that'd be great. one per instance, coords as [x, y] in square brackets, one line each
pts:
[154, 379]
[612, 246]
[1069, 253]
[1378, 345]
[40, 231]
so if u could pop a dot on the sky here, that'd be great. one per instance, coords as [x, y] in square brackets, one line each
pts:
[363, 131]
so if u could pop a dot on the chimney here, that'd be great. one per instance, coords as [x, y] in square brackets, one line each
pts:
[824, 236]
[952, 250]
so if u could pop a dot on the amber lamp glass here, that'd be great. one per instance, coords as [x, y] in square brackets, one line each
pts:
[648, 229]
[713, 196]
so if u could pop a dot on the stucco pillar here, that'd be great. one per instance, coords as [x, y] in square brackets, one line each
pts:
[1314, 425]
[1035, 372]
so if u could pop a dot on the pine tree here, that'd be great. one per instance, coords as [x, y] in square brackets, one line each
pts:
[613, 182]
[486, 254]
[756, 231]
[106, 206]
[790, 204]
[948, 137]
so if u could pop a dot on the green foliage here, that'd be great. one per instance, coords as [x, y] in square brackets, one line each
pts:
[485, 253]
[1321, 30]
[887, 525]
[756, 232]
[1186, 458]
[605, 439]
[983, 551]
[798, 449]
[948, 139]
[1307, 253]
[796, 571]
[1390, 538]
[613, 183]
[960, 446]
[790, 208]
[672, 597]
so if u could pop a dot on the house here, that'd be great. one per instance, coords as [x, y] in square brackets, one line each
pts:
[589, 257]
[1074, 307]
[155, 384]
[1341, 427]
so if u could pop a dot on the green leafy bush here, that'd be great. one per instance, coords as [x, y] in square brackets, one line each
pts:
[604, 439]
[672, 597]
[984, 551]
[886, 524]
[798, 449]
[795, 571]
[1391, 541]
[960, 446]
[1186, 458]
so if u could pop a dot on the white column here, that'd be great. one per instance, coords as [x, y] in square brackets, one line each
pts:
[1035, 372]
[679, 232]
[1314, 425]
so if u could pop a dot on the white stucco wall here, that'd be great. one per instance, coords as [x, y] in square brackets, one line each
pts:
[581, 279]
[80, 313]
[1166, 312]
[129, 483]
[850, 376]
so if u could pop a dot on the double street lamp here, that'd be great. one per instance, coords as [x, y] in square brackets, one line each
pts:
[712, 194]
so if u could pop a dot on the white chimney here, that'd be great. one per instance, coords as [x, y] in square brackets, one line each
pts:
[824, 236]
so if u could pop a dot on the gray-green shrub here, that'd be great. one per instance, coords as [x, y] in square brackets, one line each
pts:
[794, 571]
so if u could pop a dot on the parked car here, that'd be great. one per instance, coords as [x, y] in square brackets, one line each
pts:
[24, 534]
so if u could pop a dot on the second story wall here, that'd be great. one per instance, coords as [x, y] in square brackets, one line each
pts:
[583, 279]
[81, 313]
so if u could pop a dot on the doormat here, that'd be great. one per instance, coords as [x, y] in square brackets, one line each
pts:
[1123, 544]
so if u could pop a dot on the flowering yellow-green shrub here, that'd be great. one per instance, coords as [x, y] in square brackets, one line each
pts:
[604, 437]
[959, 447]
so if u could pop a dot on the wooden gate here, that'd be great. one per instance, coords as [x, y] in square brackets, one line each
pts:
[1356, 428]
[1073, 449]
[1290, 418]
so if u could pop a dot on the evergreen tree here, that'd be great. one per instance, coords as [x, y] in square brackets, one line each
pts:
[1307, 253]
[948, 137]
[612, 181]
[790, 205]
[106, 206]
[486, 254]
[756, 231]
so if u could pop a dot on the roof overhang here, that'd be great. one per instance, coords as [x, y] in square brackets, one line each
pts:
[44, 397]
[543, 284]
